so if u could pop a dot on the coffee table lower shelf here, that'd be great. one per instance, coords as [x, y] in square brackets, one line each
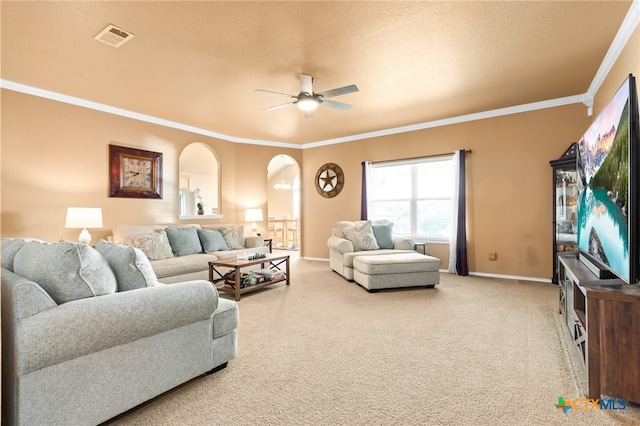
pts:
[217, 277]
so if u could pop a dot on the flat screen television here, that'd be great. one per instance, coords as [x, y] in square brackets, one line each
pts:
[608, 170]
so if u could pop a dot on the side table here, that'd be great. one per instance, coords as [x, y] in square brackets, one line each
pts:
[420, 244]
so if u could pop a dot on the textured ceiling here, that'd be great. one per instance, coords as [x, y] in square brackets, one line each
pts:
[198, 63]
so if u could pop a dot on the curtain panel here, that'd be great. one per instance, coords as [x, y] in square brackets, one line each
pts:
[364, 199]
[458, 239]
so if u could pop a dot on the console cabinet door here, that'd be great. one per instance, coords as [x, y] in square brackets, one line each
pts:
[565, 197]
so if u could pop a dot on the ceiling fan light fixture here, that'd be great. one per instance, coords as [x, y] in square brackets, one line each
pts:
[307, 103]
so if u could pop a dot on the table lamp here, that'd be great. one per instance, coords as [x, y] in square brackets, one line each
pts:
[253, 215]
[84, 217]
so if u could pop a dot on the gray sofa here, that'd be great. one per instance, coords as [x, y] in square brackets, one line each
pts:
[172, 264]
[88, 333]
[350, 239]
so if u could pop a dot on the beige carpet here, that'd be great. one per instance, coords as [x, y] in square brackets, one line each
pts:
[326, 352]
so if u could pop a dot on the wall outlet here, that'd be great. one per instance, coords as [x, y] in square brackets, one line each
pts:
[493, 256]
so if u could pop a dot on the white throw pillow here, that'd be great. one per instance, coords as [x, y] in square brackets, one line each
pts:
[362, 237]
[233, 236]
[65, 270]
[129, 264]
[154, 245]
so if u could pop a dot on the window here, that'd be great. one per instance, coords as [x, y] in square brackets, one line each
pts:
[416, 195]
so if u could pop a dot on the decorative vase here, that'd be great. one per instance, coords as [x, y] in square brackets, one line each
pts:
[200, 211]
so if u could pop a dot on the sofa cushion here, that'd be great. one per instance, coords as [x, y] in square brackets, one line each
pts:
[129, 264]
[67, 271]
[396, 263]
[233, 236]
[212, 241]
[348, 258]
[184, 241]
[362, 237]
[383, 234]
[124, 234]
[155, 245]
[182, 265]
[10, 247]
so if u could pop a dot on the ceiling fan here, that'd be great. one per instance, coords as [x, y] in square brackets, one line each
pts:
[308, 101]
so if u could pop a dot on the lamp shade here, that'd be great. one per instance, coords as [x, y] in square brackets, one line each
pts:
[83, 217]
[253, 215]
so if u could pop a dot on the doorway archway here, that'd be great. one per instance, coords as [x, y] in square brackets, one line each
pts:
[283, 202]
[199, 171]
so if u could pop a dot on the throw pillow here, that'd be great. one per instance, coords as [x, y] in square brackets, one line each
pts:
[10, 247]
[129, 264]
[212, 241]
[233, 236]
[361, 236]
[339, 227]
[65, 270]
[154, 245]
[384, 235]
[184, 241]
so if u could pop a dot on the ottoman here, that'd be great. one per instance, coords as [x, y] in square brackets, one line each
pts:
[396, 270]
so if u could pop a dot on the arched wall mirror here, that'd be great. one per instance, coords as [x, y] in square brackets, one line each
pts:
[283, 202]
[199, 181]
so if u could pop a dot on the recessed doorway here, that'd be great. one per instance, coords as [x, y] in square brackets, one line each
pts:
[283, 203]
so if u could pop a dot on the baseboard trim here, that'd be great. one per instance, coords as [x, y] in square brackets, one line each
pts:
[320, 259]
[511, 277]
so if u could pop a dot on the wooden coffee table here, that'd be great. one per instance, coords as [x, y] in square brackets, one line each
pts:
[271, 262]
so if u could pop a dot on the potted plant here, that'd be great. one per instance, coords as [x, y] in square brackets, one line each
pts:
[200, 203]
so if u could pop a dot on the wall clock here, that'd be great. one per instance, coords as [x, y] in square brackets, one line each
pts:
[329, 180]
[134, 173]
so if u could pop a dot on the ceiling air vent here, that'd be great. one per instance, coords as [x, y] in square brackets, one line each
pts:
[114, 36]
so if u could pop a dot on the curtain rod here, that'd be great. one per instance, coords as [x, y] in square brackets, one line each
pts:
[468, 151]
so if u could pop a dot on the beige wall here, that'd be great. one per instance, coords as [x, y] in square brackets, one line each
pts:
[508, 184]
[54, 156]
[509, 180]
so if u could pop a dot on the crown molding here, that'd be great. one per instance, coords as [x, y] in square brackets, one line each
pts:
[629, 25]
[84, 103]
[454, 120]
[626, 30]
[47, 94]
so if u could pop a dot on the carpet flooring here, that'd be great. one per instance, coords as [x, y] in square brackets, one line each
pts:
[324, 351]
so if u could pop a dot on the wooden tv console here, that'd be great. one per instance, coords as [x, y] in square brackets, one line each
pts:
[603, 320]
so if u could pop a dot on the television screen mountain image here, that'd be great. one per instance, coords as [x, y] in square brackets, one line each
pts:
[603, 174]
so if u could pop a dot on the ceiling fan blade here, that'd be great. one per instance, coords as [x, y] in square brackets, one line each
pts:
[334, 104]
[306, 84]
[269, 92]
[279, 106]
[339, 91]
[308, 114]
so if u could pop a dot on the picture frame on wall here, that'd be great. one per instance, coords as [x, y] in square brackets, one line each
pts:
[134, 173]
